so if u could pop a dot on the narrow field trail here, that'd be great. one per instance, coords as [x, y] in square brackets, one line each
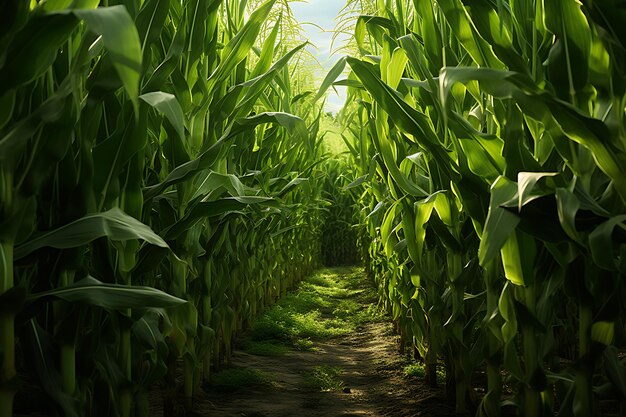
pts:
[357, 373]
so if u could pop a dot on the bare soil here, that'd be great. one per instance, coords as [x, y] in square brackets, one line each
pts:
[370, 368]
[374, 384]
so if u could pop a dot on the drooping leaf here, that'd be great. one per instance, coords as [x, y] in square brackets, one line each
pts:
[121, 40]
[330, 78]
[114, 224]
[500, 221]
[168, 105]
[110, 296]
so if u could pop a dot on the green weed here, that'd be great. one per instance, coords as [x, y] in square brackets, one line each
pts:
[418, 370]
[234, 379]
[415, 370]
[304, 345]
[263, 348]
[326, 305]
[324, 378]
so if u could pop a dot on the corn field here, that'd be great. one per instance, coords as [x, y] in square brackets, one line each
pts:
[338, 234]
[159, 187]
[163, 179]
[489, 141]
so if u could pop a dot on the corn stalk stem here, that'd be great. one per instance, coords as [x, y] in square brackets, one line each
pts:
[206, 320]
[583, 383]
[68, 368]
[431, 360]
[7, 372]
[494, 386]
[461, 387]
[532, 398]
[127, 261]
[7, 333]
[125, 355]
[68, 350]
[188, 375]
[494, 378]
[585, 318]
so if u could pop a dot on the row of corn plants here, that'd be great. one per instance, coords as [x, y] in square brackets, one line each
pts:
[159, 187]
[490, 145]
[338, 233]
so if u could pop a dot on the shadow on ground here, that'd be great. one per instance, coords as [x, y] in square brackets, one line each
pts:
[330, 354]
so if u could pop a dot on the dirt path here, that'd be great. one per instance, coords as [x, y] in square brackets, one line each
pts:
[372, 376]
[368, 379]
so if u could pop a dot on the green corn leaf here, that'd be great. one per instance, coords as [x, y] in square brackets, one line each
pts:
[406, 117]
[445, 207]
[395, 67]
[211, 209]
[464, 29]
[358, 182]
[34, 49]
[294, 124]
[169, 106]
[110, 296]
[376, 25]
[386, 228]
[567, 206]
[196, 26]
[526, 190]
[553, 113]
[334, 73]
[500, 222]
[214, 180]
[518, 258]
[413, 247]
[114, 154]
[430, 32]
[603, 332]
[615, 369]
[208, 158]
[348, 83]
[293, 184]
[14, 141]
[121, 40]
[506, 306]
[7, 104]
[255, 86]
[147, 329]
[386, 148]
[157, 79]
[482, 152]
[569, 58]
[267, 53]
[183, 172]
[239, 46]
[423, 210]
[114, 224]
[602, 244]
[39, 345]
[150, 21]
[490, 22]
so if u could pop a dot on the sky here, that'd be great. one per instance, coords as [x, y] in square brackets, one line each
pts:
[322, 13]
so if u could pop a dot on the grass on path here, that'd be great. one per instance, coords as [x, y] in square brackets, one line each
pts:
[325, 349]
[330, 303]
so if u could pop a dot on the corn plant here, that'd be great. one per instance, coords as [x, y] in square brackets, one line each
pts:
[491, 144]
[338, 235]
[157, 191]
